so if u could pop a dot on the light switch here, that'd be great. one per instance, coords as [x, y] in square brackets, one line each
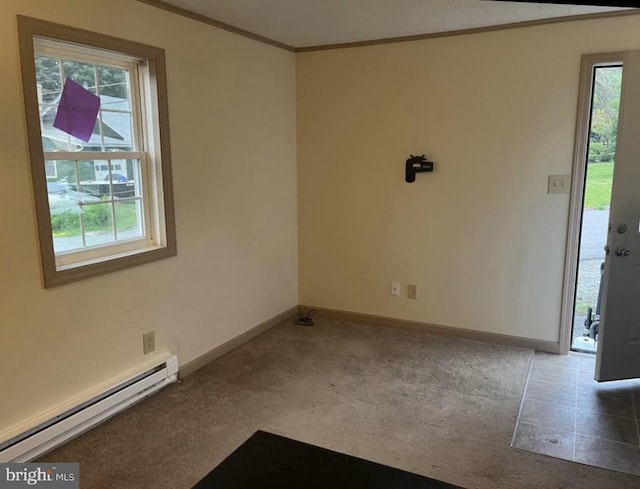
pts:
[559, 184]
[412, 291]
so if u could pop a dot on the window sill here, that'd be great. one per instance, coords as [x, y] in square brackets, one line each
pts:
[100, 266]
[106, 256]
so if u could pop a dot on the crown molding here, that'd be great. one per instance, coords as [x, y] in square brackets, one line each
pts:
[474, 30]
[374, 42]
[216, 23]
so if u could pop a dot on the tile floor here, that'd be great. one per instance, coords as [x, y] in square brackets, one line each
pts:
[566, 414]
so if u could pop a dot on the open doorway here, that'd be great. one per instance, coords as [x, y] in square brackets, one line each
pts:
[604, 109]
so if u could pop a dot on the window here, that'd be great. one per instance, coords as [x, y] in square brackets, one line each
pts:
[103, 198]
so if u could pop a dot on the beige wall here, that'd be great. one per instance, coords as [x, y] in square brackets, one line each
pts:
[480, 236]
[232, 118]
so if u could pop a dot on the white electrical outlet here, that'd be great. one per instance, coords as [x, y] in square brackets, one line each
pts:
[395, 288]
[559, 184]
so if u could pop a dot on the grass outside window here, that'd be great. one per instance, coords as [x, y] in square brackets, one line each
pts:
[597, 195]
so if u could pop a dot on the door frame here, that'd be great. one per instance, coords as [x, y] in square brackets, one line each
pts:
[581, 145]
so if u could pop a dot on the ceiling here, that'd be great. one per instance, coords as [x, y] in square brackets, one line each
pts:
[304, 23]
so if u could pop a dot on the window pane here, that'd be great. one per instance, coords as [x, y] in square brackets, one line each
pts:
[67, 171]
[63, 192]
[123, 188]
[129, 219]
[49, 85]
[64, 210]
[53, 139]
[84, 74]
[117, 129]
[66, 228]
[101, 171]
[98, 224]
[86, 171]
[114, 88]
[93, 187]
[48, 79]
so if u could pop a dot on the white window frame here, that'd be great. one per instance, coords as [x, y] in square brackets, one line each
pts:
[147, 81]
[590, 63]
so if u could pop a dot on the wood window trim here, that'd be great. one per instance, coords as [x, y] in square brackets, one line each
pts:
[28, 28]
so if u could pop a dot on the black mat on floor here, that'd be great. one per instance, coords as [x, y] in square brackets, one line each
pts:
[270, 461]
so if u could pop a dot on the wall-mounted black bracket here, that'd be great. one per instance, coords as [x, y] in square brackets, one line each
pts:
[416, 164]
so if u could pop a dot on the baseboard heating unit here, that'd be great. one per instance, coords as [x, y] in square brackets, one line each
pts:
[54, 432]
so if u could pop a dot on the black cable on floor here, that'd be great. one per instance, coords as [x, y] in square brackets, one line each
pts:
[305, 320]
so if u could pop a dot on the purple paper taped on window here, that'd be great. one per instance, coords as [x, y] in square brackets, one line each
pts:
[77, 111]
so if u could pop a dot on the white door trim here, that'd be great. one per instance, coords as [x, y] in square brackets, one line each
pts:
[589, 63]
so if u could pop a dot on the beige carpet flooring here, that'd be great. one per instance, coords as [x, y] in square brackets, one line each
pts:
[441, 407]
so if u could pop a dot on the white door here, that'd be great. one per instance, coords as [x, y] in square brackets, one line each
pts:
[618, 355]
